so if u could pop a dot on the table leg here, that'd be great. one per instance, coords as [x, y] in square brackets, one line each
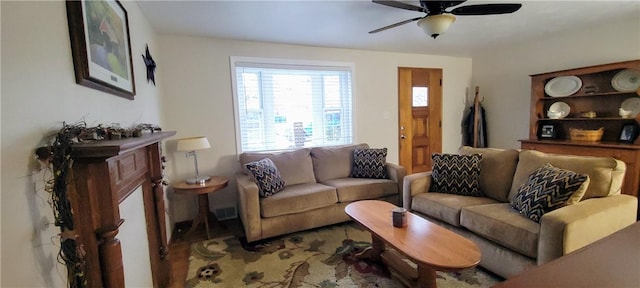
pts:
[203, 214]
[194, 223]
[426, 277]
[372, 253]
[203, 211]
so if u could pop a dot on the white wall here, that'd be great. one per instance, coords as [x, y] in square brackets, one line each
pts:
[503, 72]
[194, 97]
[38, 94]
[198, 100]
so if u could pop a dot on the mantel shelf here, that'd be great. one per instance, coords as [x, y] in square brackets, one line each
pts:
[109, 148]
[105, 173]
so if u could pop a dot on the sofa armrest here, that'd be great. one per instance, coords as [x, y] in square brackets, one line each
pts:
[249, 206]
[396, 173]
[413, 184]
[575, 226]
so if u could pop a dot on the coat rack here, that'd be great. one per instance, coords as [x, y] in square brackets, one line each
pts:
[476, 117]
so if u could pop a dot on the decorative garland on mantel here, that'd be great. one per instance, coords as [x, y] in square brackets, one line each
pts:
[57, 157]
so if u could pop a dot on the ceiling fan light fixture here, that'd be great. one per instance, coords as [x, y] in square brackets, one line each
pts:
[434, 25]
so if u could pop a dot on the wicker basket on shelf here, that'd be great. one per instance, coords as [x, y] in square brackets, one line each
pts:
[586, 135]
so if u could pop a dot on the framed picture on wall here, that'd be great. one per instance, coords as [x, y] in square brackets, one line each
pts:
[629, 133]
[100, 46]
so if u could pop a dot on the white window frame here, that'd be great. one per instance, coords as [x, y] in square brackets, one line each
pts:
[293, 64]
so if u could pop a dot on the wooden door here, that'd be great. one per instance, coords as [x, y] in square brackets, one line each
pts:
[420, 117]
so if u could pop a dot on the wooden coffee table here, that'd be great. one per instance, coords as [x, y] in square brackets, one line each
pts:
[431, 247]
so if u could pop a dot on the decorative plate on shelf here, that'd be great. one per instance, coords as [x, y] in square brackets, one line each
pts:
[633, 105]
[627, 80]
[560, 110]
[563, 86]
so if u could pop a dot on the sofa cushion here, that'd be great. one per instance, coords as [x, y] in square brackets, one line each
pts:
[298, 198]
[503, 225]
[353, 189]
[333, 162]
[599, 169]
[547, 189]
[456, 174]
[295, 167]
[266, 175]
[445, 207]
[369, 163]
[496, 170]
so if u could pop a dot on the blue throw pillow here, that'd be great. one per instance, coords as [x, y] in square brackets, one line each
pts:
[369, 163]
[266, 176]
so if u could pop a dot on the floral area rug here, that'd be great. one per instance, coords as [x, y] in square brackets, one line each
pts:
[322, 257]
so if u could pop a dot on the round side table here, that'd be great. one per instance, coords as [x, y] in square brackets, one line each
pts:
[216, 183]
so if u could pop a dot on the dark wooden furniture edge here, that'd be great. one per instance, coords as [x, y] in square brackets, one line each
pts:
[589, 69]
[104, 174]
[609, 262]
[615, 145]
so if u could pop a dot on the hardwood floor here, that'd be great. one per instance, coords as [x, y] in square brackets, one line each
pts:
[180, 244]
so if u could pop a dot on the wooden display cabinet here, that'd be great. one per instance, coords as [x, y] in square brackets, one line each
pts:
[598, 95]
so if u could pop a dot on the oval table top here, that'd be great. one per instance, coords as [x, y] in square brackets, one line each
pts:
[422, 241]
[214, 184]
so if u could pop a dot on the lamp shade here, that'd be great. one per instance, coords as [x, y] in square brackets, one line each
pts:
[435, 25]
[193, 144]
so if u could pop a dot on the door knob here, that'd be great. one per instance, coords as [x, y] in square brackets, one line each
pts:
[402, 136]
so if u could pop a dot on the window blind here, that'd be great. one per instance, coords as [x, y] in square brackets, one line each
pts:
[285, 106]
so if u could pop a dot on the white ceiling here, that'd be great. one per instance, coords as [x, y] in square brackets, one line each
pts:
[345, 24]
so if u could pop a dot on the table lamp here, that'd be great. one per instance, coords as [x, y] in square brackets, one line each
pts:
[191, 145]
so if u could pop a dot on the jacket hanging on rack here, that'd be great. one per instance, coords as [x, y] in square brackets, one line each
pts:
[475, 125]
[468, 132]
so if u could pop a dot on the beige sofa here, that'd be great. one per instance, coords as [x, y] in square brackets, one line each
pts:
[509, 241]
[317, 188]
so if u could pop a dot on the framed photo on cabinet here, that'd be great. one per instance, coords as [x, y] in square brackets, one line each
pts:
[629, 133]
[100, 46]
[547, 131]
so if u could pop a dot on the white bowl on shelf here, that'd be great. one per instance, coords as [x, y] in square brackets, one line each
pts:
[625, 113]
[555, 114]
[558, 110]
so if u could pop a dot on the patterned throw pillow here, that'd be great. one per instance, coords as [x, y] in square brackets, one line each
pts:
[369, 163]
[266, 175]
[547, 189]
[456, 174]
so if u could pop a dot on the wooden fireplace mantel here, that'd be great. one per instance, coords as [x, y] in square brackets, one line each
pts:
[104, 173]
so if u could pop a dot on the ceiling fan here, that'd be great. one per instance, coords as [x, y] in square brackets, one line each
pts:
[438, 18]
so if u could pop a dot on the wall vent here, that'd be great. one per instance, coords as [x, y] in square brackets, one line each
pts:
[226, 213]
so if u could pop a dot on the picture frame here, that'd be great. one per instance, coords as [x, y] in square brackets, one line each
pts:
[101, 46]
[628, 133]
[547, 131]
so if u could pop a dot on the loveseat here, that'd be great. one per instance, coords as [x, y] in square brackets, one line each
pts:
[318, 184]
[510, 241]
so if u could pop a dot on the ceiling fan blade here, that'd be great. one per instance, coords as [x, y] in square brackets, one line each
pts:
[486, 9]
[401, 5]
[438, 7]
[394, 25]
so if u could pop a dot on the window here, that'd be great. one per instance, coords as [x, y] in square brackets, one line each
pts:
[283, 105]
[420, 96]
